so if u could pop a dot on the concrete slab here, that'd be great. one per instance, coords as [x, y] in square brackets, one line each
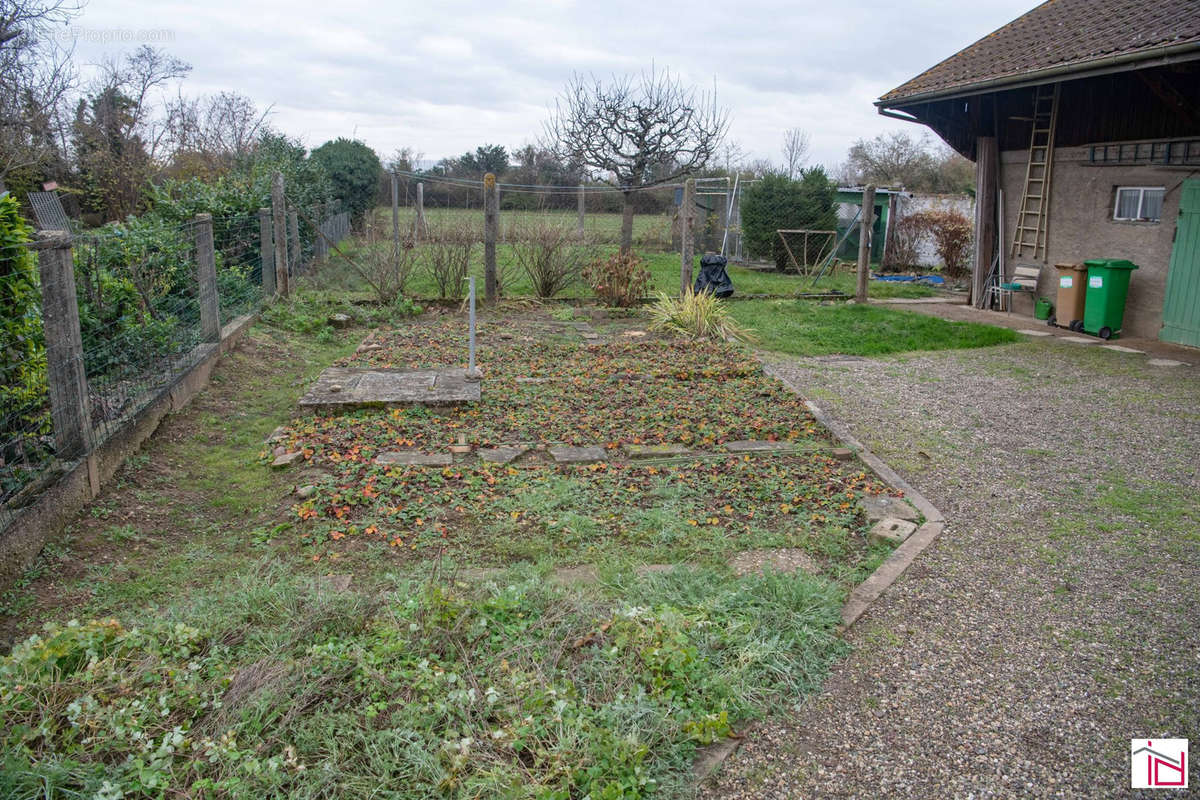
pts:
[1118, 348]
[578, 455]
[880, 507]
[655, 450]
[1165, 362]
[501, 455]
[1079, 339]
[892, 530]
[784, 559]
[757, 446]
[413, 458]
[287, 459]
[1030, 332]
[339, 387]
[574, 575]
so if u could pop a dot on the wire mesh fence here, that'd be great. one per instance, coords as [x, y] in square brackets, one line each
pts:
[117, 317]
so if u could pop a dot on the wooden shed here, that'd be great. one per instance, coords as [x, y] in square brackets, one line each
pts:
[1083, 120]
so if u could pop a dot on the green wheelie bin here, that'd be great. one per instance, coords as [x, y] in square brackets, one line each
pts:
[1107, 287]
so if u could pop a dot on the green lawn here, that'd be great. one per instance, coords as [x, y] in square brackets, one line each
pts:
[807, 328]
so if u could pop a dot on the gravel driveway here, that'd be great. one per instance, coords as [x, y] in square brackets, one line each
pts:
[1058, 615]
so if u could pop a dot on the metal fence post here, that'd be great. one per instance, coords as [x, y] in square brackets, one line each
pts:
[266, 253]
[279, 219]
[491, 225]
[206, 279]
[64, 346]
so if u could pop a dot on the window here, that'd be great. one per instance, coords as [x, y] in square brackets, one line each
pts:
[1140, 203]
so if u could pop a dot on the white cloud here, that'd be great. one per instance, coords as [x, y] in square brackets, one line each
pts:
[447, 76]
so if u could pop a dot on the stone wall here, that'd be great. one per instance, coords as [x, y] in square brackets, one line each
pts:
[1081, 226]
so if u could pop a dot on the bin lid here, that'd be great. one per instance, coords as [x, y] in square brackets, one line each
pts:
[1111, 263]
[1078, 266]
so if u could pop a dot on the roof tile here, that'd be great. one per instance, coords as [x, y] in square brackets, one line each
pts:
[1061, 33]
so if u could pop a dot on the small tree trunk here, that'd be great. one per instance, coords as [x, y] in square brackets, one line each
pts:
[627, 225]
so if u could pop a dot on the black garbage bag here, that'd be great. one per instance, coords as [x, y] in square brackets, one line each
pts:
[713, 277]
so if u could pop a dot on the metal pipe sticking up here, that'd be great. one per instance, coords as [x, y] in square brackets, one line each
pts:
[472, 373]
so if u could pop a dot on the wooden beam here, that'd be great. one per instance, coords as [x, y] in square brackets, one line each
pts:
[986, 183]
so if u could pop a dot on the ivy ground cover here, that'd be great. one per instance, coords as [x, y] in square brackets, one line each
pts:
[545, 385]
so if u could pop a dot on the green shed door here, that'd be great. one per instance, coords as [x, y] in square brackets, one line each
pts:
[1181, 309]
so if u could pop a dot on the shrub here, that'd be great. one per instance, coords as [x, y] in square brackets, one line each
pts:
[353, 170]
[778, 202]
[550, 255]
[22, 351]
[952, 234]
[619, 280]
[700, 316]
[384, 267]
[445, 256]
[903, 251]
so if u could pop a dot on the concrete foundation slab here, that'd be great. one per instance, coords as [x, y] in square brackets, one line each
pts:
[339, 387]
[892, 530]
[655, 450]
[880, 507]
[1031, 332]
[1079, 339]
[784, 559]
[757, 446]
[1118, 348]
[578, 455]
[502, 454]
[412, 458]
[1165, 362]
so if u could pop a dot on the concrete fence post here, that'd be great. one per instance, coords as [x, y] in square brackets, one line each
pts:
[266, 253]
[294, 241]
[206, 279]
[420, 223]
[582, 202]
[64, 346]
[396, 214]
[279, 223]
[491, 225]
[865, 226]
[687, 241]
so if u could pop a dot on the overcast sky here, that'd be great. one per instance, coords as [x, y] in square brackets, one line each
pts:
[443, 77]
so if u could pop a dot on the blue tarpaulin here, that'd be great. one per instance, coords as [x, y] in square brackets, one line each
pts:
[935, 280]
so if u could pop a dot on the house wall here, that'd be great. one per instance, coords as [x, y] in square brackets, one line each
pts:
[1081, 227]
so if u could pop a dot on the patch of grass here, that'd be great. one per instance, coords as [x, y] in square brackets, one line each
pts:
[806, 328]
[275, 686]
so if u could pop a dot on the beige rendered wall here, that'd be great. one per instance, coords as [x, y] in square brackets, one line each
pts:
[1081, 226]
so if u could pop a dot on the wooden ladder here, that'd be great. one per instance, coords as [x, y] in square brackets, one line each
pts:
[1029, 238]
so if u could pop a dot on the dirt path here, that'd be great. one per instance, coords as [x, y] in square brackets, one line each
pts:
[1054, 620]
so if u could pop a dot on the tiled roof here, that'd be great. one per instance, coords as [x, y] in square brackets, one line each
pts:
[1061, 33]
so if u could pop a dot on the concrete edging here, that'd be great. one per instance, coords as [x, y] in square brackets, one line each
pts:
[82, 481]
[890, 570]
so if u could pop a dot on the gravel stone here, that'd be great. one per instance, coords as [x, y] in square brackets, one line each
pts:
[1053, 620]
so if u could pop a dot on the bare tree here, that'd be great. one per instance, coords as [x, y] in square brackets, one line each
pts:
[796, 144]
[917, 164]
[208, 135]
[639, 130]
[36, 74]
[119, 137]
